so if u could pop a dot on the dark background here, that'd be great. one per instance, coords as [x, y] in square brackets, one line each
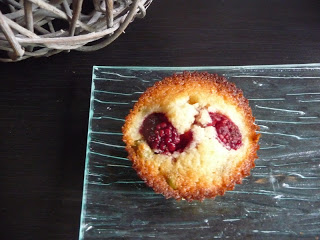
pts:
[44, 102]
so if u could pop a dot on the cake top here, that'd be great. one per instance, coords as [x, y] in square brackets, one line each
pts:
[192, 132]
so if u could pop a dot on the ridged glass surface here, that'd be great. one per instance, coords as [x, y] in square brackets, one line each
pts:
[281, 198]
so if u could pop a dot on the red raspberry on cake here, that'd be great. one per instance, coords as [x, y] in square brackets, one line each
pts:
[192, 136]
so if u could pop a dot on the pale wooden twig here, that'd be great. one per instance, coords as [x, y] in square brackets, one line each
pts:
[20, 29]
[41, 29]
[30, 21]
[5, 44]
[60, 33]
[14, 3]
[109, 12]
[14, 15]
[13, 59]
[122, 27]
[12, 9]
[68, 40]
[51, 28]
[18, 51]
[28, 15]
[37, 53]
[96, 5]
[94, 18]
[66, 7]
[143, 11]
[77, 5]
[59, 13]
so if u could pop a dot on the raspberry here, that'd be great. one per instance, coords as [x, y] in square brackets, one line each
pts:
[185, 139]
[228, 133]
[162, 136]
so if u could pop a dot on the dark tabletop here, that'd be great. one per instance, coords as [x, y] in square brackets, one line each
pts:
[44, 102]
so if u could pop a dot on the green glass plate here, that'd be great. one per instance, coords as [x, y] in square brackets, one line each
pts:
[281, 198]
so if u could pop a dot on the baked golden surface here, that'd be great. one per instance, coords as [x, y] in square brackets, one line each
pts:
[206, 167]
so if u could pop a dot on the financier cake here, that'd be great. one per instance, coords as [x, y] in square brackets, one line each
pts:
[192, 136]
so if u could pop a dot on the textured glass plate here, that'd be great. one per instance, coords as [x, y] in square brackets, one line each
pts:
[281, 198]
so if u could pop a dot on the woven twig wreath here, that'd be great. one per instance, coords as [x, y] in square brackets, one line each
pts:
[35, 28]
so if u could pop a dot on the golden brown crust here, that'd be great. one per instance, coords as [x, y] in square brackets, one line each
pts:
[188, 190]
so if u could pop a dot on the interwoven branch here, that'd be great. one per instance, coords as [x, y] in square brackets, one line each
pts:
[34, 28]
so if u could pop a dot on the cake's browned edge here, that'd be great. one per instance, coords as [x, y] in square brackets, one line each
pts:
[205, 80]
